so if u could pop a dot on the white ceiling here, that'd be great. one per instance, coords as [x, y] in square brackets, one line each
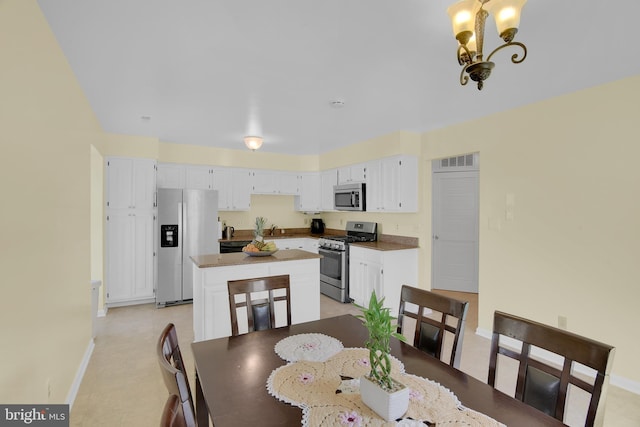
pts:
[208, 72]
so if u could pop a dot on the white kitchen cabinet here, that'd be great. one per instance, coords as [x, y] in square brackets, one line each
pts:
[309, 198]
[170, 175]
[198, 177]
[264, 182]
[130, 220]
[306, 244]
[289, 183]
[234, 188]
[365, 276]
[211, 316]
[274, 182]
[295, 243]
[392, 184]
[382, 271]
[241, 189]
[221, 181]
[311, 245]
[129, 258]
[352, 173]
[131, 183]
[328, 179]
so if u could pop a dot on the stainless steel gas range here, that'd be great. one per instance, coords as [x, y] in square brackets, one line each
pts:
[334, 265]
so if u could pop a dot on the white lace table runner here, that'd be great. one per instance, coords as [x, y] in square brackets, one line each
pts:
[311, 347]
[329, 394]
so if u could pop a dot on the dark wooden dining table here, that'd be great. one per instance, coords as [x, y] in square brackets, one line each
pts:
[232, 372]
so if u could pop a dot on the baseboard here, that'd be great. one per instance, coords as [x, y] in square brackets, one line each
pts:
[75, 386]
[131, 302]
[615, 380]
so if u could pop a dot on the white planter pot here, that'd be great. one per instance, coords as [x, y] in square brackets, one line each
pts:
[389, 406]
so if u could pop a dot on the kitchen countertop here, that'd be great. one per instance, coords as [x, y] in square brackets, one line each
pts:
[384, 243]
[239, 258]
[276, 237]
[384, 246]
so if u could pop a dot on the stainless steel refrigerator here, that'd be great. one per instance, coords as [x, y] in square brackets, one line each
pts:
[187, 225]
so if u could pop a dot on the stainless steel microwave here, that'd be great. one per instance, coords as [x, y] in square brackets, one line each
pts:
[349, 197]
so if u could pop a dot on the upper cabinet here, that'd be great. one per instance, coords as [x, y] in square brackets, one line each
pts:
[392, 184]
[171, 175]
[234, 188]
[352, 173]
[198, 177]
[274, 182]
[328, 179]
[221, 179]
[240, 189]
[309, 198]
[234, 185]
[131, 183]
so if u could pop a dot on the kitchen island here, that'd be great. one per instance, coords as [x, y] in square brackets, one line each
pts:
[211, 315]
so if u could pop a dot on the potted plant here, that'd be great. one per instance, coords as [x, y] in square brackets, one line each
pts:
[383, 394]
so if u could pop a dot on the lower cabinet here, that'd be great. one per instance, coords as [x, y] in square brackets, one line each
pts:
[305, 244]
[211, 313]
[129, 257]
[382, 271]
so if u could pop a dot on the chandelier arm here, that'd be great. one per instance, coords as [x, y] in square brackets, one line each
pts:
[464, 57]
[514, 57]
[464, 78]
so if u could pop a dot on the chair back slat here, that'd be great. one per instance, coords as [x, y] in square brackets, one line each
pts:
[261, 313]
[429, 332]
[540, 381]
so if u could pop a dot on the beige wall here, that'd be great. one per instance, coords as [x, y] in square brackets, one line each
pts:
[46, 130]
[572, 248]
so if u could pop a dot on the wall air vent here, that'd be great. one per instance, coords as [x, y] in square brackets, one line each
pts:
[456, 163]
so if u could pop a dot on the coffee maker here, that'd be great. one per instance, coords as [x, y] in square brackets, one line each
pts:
[317, 226]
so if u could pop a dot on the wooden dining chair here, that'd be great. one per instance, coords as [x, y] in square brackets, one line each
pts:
[174, 373]
[430, 331]
[543, 384]
[172, 414]
[260, 310]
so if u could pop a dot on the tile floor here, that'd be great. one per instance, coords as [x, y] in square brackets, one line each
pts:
[122, 385]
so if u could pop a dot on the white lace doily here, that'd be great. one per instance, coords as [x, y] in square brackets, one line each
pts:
[329, 394]
[309, 347]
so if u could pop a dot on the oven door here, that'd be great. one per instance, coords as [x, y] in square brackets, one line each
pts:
[332, 267]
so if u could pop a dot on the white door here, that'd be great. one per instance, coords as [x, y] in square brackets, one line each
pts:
[455, 231]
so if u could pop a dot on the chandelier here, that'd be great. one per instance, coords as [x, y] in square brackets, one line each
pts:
[468, 18]
[253, 142]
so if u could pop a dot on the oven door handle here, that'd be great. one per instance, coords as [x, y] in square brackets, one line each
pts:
[329, 251]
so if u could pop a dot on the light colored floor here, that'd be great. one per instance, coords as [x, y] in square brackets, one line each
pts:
[122, 385]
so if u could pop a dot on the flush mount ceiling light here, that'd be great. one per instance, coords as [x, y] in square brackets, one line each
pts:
[468, 18]
[253, 142]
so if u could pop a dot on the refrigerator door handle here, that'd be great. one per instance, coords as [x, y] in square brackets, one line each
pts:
[181, 229]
